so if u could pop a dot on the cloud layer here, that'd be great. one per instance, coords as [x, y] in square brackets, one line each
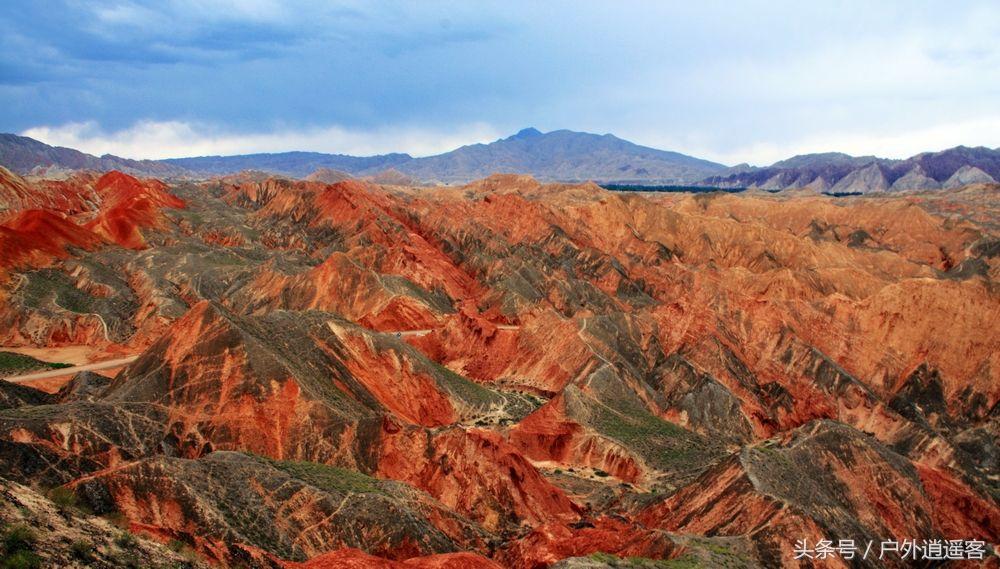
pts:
[747, 81]
[175, 139]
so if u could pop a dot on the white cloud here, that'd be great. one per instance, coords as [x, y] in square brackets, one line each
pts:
[902, 143]
[174, 139]
[135, 14]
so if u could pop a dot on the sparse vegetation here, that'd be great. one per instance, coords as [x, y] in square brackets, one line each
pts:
[19, 543]
[184, 550]
[19, 537]
[661, 442]
[21, 560]
[66, 501]
[329, 478]
[467, 390]
[82, 550]
[686, 562]
[117, 519]
[11, 362]
[126, 540]
[128, 560]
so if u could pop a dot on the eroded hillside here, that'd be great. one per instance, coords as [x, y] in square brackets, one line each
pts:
[507, 373]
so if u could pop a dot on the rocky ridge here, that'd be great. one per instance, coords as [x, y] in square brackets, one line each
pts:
[508, 372]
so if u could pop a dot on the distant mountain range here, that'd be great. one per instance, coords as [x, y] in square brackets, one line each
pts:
[560, 155]
[23, 155]
[294, 164]
[841, 173]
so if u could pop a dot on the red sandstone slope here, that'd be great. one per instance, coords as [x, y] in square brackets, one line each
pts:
[68, 197]
[35, 237]
[128, 205]
[38, 224]
[751, 366]
[345, 398]
[777, 495]
[342, 285]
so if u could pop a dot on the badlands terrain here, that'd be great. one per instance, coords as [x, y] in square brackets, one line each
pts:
[500, 374]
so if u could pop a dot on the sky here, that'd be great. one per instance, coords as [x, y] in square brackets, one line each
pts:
[732, 82]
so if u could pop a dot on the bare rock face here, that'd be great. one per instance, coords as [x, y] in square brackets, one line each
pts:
[13, 396]
[349, 558]
[809, 486]
[869, 179]
[508, 373]
[61, 535]
[915, 179]
[968, 175]
[84, 386]
[294, 510]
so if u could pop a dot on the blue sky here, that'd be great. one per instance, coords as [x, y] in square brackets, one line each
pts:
[730, 81]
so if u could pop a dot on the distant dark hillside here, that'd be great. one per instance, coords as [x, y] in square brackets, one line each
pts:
[294, 164]
[562, 155]
[841, 173]
[21, 154]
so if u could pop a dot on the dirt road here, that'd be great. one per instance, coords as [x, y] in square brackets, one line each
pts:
[71, 370]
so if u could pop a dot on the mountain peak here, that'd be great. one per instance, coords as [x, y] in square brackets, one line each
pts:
[529, 132]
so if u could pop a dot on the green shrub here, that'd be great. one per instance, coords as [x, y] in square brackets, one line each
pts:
[11, 362]
[19, 538]
[21, 560]
[82, 550]
[329, 478]
[125, 540]
[64, 498]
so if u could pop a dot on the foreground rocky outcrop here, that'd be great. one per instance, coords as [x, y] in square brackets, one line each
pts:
[40, 532]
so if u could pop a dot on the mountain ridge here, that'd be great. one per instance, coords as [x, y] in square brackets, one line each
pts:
[559, 155]
[841, 173]
[562, 155]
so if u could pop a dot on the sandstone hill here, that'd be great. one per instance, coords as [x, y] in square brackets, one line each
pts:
[507, 373]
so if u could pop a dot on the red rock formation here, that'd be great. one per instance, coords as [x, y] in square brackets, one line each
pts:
[340, 284]
[763, 367]
[127, 206]
[804, 489]
[551, 542]
[396, 381]
[33, 238]
[549, 435]
[474, 472]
